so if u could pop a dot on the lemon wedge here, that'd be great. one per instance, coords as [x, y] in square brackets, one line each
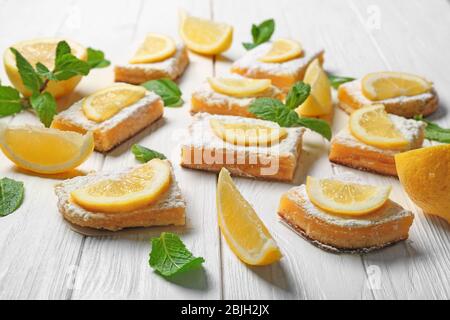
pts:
[45, 150]
[104, 104]
[205, 36]
[247, 134]
[282, 50]
[43, 51]
[346, 198]
[137, 188]
[319, 101]
[244, 232]
[373, 126]
[156, 47]
[386, 85]
[237, 87]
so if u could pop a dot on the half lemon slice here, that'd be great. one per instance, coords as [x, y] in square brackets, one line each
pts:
[283, 50]
[237, 87]
[346, 198]
[156, 47]
[104, 104]
[136, 189]
[386, 85]
[247, 134]
[373, 126]
[244, 232]
[45, 150]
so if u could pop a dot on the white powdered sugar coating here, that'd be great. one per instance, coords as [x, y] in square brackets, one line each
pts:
[391, 211]
[410, 129]
[76, 115]
[172, 198]
[201, 135]
[354, 88]
[171, 66]
[250, 61]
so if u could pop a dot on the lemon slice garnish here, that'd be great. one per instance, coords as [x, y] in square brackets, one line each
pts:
[282, 50]
[156, 47]
[239, 87]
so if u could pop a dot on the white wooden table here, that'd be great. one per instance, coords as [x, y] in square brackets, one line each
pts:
[41, 257]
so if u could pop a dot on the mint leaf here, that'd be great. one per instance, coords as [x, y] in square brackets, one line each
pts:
[336, 81]
[45, 106]
[67, 65]
[260, 33]
[11, 196]
[435, 132]
[30, 77]
[169, 255]
[10, 101]
[144, 154]
[167, 90]
[96, 59]
[44, 72]
[317, 125]
[297, 94]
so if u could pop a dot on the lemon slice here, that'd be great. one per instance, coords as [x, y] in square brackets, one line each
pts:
[239, 87]
[386, 85]
[156, 47]
[247, 134]
[244, 232]
[45, 150]
[283, 50]
[319, 101]
[205, 36]
[346, 198]
[44, 51]
[136, 189]
[105, 103]
[372, 126]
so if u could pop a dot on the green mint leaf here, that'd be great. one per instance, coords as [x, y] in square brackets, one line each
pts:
[11, 196]
[30, 77]
[10, 101]
[167, 90]
[169, 255]
[297, 94]
[336, 81]
[61, 49]
[45, 106]
[44, 72]
[317, 125]
[67, 65]
[96, 59]
[261, 33]
[144, 154]
[435, 132]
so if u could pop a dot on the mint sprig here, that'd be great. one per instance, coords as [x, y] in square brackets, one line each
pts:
[260, 33]
[168, 90]
[435, 132]
[10, 101]
[169, 256]
[143, 154]
[30, 78]
[96, 59]
[11, 196]
[285, 115]
[336, 80]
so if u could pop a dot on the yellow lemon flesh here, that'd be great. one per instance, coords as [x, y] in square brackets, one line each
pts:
[155, 48]
[319, 101]
[425, 175]
[45, 150]
[372, 126]
[237, 87]
[105, 103]
[44, 51]
[205, 36]
[342, 197]
[137, 188]
[244, 232]
[282, 50]
[386, 85]
[247, 134]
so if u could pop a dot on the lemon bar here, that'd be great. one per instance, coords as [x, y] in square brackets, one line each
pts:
[282, 74]
[204, 150]
[113, 131]
[351, 97]
[171, 68]
[169, 209]
[349, 151]
[340, 233]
